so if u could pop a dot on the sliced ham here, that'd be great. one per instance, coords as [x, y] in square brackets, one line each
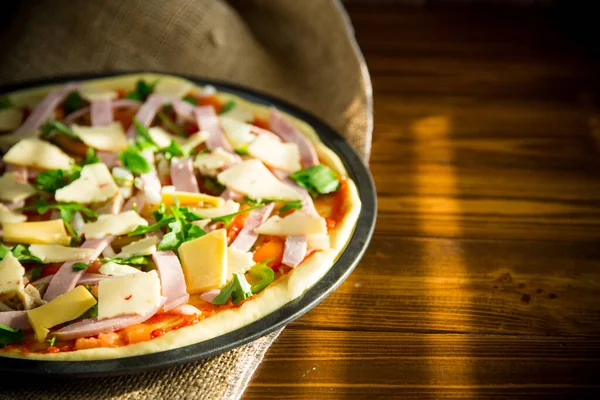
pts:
[247, 236]
[113, 206]
[101, 112]
[109, 158]
[15, 319]
[120, 103]
[139, 201]
[94, 327]
[65, 278]
[229, 194]
[151, 182]
[289, 133]
[86, 279]
[45, 109]
[294, 250]
[182, 175]
[210, 295]
[146, 113]
[21, 173]
[183, 109]
[207, 120]
[171, 279]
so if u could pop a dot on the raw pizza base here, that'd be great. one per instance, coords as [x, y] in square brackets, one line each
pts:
[274, 297]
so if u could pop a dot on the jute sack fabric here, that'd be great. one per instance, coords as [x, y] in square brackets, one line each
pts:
[302, 51]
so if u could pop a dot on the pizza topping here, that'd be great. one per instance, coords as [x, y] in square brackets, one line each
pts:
[128, 294]
[254, 180]
[295, 224]
[44, 232]
[115, 269]
[248, 235]
[238, 261]
[51, 253]
[66, 278]
[38, 154]
[101, 112]
[209, 164]
[182, 175]
[10, 118]
[142, 247]
[171, 278]
[8, 215]
[317, 179]
[208, 121]
[238, 133]
[11, 275]
[229, 207]
[270, 150]
[294, 250]
[107, 224]
[288, 132]
[13, 189]
[63, 308]
[172, 87]
[14, 320]
[146, 113]
[108, 137]
[95, 184]
[210, 270]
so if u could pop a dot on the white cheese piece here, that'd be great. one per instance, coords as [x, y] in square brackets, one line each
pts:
[238, 261]
[191, 199]
[12, 189]
[122, 175]
[10, 119]
[163, 138]
[318, 241]
[38, 153]
[238, 133]
[95, 93]
[11, 275]
[274, 153]
[109, 137]
[253, 179]
[128, 294]
[109, 224]
[95, 184]
[229, 207]
[294, 224]
[204, 262]
[142, 247]
[53, 253]
[8, 215]
[172, 87]
[209, 164]
[114, 269]
[239, 113]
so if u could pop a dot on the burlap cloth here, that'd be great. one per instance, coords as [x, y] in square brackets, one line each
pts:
[300, 50]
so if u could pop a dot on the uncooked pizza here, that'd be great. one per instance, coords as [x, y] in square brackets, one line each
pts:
[143, 213]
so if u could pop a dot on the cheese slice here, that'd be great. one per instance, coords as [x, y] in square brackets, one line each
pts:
[93, 93]
[95, 184]
[42, 232]
[294, 224]
[204, 261]
[38, 153]
[142, 247]
[65, 307]
[8, 215]
[53, 253]
[229, 207]
[12, 189]
[10, 119]
[115, 269]
[238, 261]
[128, 294]
[209, 164]
[239, 113]
[191, 199]
[318, 241]
[11, 275]
[238, 133]
[110, 224]
[172, 87]
[253, 179]
[274, 153]
[163, 138]
[109, 137]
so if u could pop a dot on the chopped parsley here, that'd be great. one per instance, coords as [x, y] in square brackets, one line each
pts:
[317, 179]
[54, 179]
[134, 161]
[172, 150]
[142, 90]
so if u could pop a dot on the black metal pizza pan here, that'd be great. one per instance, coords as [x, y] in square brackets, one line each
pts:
[286, 314]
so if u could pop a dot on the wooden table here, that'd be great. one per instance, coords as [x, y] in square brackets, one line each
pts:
[483, 277]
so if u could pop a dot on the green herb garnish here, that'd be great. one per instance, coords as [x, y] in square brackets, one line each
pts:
[136, 260]
[291, 205]
[226, 219]
[190, 100]
[20, 252]
[263, 274]
[237, 289]
[5, 102]
[81, 266]
[54, 179]
[317, 179]
[213, 186]
[51, 341]
[73, 102]
[242, 150]
[134, 161]
[142, 90]
[169, 124]
[228, 106]
[10, 335]
[50, 126]
[172, 150]
[90, 157]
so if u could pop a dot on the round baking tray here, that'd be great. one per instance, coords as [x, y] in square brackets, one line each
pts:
[333, 278]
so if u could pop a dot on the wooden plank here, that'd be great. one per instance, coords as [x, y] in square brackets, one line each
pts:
[338, 364]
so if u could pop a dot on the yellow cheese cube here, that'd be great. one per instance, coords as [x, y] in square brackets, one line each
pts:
[42, 232]
[191, 199]
[62, 309]
[204, 261]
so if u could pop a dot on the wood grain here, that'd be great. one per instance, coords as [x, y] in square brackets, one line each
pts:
[483, 277]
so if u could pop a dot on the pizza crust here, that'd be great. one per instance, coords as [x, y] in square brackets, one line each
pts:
[272, 298]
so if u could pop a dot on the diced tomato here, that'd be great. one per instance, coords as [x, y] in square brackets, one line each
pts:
[273, 248]
[87, 343]
[121, 93]
[190, 128]
[137, 333]
[331, 223]
[211, 101]
[110, 339]
[50, 269]
[124, 116]
[93, 269]
[261, 123]
[237, 224]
